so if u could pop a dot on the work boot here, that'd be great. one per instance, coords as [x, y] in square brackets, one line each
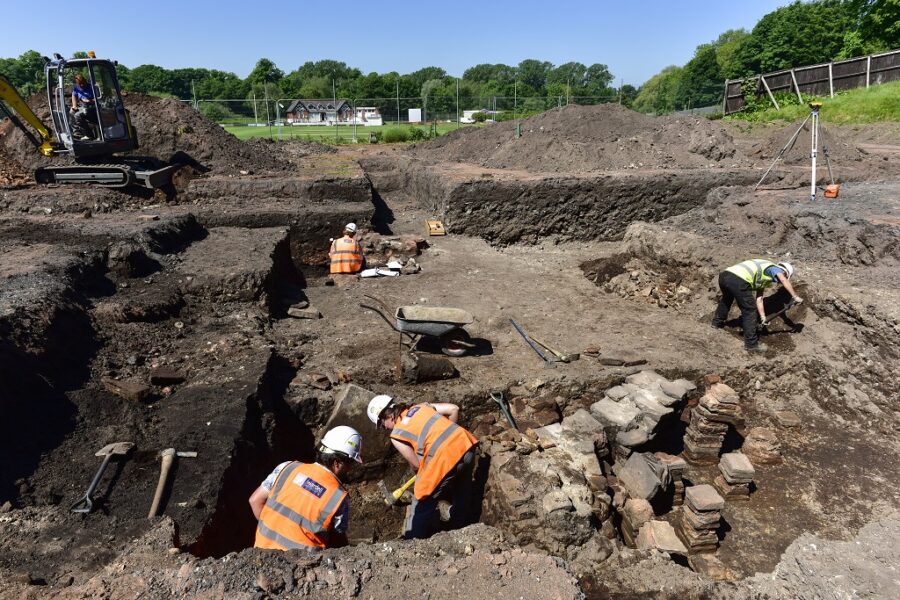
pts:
[717, 325]
[757, 349]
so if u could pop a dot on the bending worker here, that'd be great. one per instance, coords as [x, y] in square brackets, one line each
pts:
[745, 284]
[346, 254]
[441, 452]
[303, 505]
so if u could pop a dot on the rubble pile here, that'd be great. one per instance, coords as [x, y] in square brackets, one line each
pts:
[649, 287]
[631, 413]
[717, 409]
[547, 488]
[699, 519]
[735, 477]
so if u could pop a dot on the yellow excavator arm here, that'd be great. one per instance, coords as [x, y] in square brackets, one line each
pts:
[11, 97]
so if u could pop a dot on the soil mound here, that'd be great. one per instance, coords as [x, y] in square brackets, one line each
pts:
[166, 128]
[578, 139]
[840, 148]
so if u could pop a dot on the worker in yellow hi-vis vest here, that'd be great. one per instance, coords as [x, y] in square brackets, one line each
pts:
[745, 284]
[346, 254]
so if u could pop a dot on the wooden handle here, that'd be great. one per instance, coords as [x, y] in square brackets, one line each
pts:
[168, 457]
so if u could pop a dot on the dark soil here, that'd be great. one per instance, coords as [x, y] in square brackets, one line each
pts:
[584, 139]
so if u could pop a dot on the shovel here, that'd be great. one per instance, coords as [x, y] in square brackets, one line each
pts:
[86, 504]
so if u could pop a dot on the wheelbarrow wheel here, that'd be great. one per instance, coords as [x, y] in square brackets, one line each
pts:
[450, 345]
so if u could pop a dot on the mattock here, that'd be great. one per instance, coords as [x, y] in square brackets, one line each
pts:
[168, 458]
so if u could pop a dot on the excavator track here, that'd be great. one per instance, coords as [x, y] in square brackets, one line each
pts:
[109, 175]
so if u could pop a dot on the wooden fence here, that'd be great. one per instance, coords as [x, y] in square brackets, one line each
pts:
[819, 80]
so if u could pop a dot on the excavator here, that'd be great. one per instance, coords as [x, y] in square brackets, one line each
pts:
[95, 153]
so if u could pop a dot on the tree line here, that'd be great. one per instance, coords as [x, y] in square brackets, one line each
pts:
[801, 33]
[798, 34]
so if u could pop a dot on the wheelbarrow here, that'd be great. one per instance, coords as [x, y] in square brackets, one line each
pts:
[414, 323]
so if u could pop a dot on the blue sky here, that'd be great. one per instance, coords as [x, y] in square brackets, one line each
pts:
[635, 39]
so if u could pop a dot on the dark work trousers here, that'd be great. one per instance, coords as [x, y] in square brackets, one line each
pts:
[735, 289]
[456, 487]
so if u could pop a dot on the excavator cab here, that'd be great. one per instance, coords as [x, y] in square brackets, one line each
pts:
[99, 126]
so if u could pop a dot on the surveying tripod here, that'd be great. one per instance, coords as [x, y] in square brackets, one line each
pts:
[815, 131]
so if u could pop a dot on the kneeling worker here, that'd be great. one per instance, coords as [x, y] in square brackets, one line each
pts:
[303, 505]
[346, 254]
[745, 284]
[441, 452]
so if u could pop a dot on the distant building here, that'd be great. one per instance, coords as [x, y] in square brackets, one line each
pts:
[319, 112]
[368, 115]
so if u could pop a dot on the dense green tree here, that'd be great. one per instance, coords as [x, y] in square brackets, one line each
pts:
[879, 24]
[701, 80]
[533, 73]
[26, 73]
[657, 95]
[727, 46]
[265, 71]
[151, 79]
[797, 34]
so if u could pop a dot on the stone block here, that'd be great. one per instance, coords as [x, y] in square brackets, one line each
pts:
[638, 511]
[675, 464]
[703, 498]
[698, 521]
[304, 313]
[166, 375]
[761, 445]
[617, 414]
[646, 379]
[643, 475]
[710, 566]
[731, 491]
[649, 407]
[129, 389]
[659, 535]
[677, 389]
[620, 391]
[351, 402]
[633, 437]
[737, 467]
[723, 393]
[788, 418]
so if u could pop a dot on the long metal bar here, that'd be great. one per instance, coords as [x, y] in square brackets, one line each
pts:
[547, 362]
[814, 152]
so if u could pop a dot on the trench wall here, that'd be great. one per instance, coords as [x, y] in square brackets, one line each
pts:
[505, 209]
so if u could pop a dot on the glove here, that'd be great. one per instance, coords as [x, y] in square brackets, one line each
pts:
[764, 323]
[796, 300]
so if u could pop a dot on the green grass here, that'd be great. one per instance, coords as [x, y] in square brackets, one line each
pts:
[325, 133]
[877, 104]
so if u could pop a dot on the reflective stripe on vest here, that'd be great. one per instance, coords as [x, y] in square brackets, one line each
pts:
[299, 515]
[438, 442]
[753, 271]
[346, 256]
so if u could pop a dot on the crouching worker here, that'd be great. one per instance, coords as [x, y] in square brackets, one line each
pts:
[303, 505]
[441, 453]
[745, 283]
[346, 254]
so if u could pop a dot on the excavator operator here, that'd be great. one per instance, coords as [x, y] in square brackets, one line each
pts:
[84, 112]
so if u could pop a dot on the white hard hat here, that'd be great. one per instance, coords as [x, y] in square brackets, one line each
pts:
[351, 227]
[342, 440]
[788, 268]
[376, 405]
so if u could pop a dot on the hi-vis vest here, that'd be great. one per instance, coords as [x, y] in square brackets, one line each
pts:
[346, 256]
[300, 508]
[753, 272]
[439, 443]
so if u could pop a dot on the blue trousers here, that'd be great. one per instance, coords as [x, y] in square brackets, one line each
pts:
[456, 487]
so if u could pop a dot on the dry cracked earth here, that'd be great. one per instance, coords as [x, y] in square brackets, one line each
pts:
[181, 320]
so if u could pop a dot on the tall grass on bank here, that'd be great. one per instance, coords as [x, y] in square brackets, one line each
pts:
[877, 104]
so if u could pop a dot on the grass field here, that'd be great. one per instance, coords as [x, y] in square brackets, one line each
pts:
[325, 133]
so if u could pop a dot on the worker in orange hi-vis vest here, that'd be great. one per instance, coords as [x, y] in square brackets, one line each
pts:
[346, 254]
[441, 452]
[304, 505]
